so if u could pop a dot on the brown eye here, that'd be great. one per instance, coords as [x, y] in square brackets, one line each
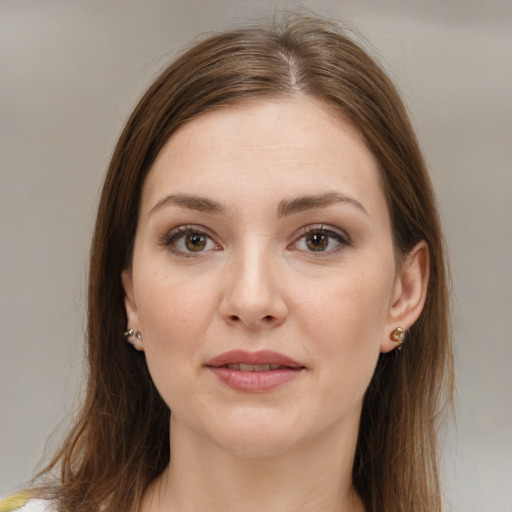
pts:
[189, 241]
[321, 240]
[195, 242]
[317, 241]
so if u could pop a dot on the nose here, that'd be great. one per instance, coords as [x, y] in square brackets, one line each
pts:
[253, 293]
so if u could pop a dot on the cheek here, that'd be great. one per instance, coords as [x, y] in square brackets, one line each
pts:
[346, 320]
[350, 310]
[174, 316]
[173, 305]
[174, 312]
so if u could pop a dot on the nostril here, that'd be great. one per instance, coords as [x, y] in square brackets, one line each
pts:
[268, 318]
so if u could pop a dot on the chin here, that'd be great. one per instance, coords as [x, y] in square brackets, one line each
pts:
[253, 428]
[254, 433]
[256, 444]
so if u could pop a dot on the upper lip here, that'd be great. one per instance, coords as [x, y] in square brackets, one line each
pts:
[254, 358]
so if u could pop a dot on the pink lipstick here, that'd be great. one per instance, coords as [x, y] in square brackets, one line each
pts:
[254, 371]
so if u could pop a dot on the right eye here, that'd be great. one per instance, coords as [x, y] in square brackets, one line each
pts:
[321, 240]
[189, 240]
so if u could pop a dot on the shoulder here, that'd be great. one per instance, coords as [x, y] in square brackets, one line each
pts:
[22, 502]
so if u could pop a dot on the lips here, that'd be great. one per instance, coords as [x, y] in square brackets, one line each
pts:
[254, 367]
[254, 371]
[255, 359]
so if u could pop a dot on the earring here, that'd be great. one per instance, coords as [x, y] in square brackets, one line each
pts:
[130, 333]
[398, 335]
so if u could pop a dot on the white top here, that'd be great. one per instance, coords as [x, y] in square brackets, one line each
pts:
[35, 505]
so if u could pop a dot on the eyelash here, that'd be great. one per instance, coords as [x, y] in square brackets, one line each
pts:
[180, 232]
[170, 239]
[339, 236]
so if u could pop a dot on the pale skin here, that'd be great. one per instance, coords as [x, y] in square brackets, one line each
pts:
[264, 226]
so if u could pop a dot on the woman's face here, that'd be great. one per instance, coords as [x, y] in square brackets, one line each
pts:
[263, 277]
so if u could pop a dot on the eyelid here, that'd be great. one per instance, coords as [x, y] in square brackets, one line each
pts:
[176, 233]
[339, 235]
[324, 228]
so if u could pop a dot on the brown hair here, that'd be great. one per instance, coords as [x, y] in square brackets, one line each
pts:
[120, 441]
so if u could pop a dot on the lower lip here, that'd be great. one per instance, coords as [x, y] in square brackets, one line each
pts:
[255, 382]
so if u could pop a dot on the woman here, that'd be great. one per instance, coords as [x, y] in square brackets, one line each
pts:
[267, 240]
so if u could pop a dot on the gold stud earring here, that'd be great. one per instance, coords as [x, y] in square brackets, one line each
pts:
[398, 335]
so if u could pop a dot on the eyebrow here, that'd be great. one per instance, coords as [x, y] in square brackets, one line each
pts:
[300, 204]
[286, 206]
[191, 202]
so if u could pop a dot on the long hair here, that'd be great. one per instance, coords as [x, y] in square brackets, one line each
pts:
[120, 440]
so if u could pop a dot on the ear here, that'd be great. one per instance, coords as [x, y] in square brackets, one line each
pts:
[409, 293]
[130, 306]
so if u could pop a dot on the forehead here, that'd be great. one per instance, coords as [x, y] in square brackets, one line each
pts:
[262, 150]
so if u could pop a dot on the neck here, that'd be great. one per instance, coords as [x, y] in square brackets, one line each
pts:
[314, 476]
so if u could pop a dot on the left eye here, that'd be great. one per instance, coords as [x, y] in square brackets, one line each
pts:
[195, 242]
[321, 240]
[188, 240]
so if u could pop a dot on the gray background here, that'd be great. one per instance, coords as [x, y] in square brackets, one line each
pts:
[70, 72]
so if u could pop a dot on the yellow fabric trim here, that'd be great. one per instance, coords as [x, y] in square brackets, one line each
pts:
[14, 502]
